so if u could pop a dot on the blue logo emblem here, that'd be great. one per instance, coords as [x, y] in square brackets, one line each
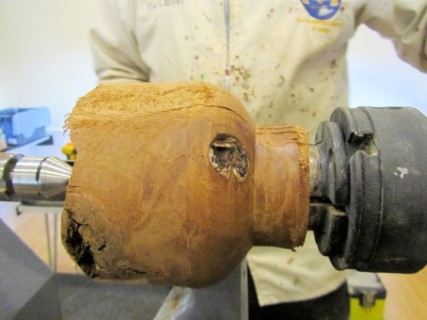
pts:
[322, 9]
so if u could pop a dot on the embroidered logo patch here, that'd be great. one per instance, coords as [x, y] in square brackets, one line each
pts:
[322, 9]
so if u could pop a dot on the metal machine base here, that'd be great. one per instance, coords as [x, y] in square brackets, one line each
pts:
[30, 290]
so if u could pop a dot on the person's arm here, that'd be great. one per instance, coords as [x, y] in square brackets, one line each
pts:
[405, 23]
[114, 46]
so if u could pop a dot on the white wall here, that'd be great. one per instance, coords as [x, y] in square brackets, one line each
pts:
[44, 54]
[379, 78]
[45, 60]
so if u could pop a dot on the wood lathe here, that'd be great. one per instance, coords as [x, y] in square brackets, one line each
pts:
[173, 183]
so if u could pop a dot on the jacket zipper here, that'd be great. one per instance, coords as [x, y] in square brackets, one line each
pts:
[227, 41]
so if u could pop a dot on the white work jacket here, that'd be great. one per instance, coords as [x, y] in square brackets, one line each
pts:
[285, 60]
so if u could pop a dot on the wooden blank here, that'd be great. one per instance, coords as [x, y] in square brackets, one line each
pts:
[162, 188]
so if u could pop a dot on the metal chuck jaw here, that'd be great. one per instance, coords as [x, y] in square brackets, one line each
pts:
[368, 189]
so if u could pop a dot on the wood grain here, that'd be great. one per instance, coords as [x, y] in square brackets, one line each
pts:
[282, 186]
[144, 202]
[406, 296]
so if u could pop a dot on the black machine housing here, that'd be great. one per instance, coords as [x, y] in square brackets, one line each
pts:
[369, 212]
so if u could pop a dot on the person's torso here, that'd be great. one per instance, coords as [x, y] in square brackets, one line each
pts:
[286, 64]
[286, 58]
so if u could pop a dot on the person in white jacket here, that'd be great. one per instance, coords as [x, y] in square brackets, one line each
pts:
[286, 61]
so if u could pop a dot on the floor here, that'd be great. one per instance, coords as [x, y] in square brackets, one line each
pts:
[31, 228]
[407, 294]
